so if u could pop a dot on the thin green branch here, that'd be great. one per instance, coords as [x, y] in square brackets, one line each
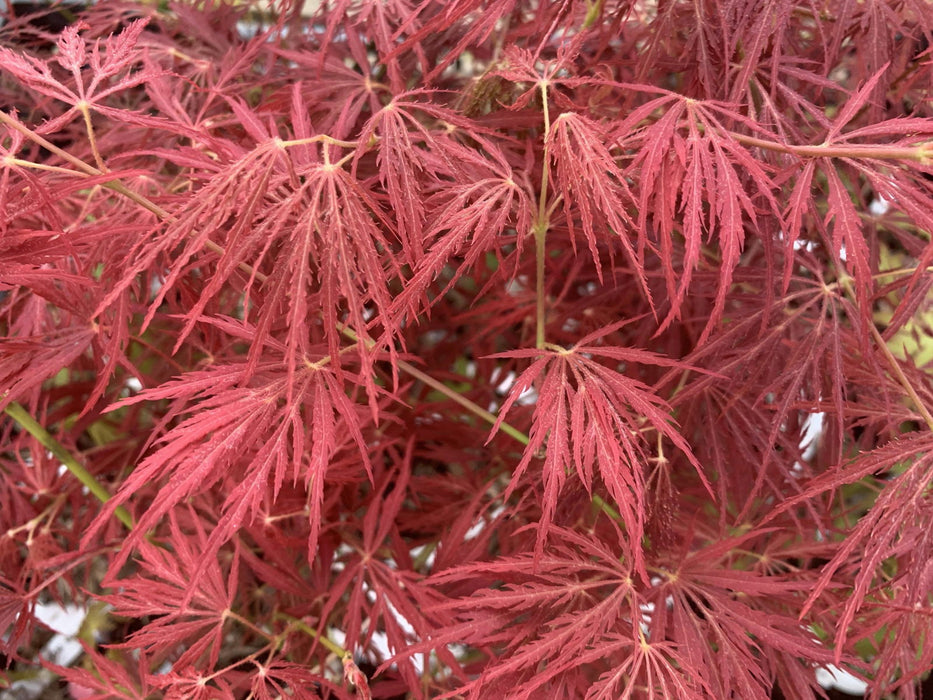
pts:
[34, 428]
[845, 283]
[427, 379]
[463, 401]
[541, 226]
[331, 646]
[901, 377]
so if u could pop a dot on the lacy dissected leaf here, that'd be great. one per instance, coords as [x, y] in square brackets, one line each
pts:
[570, 613]
[335, 258]
[383, 22]
[410, 156]
[468, 221]
[893, 529]
[796, 356]
[114, 676]
[27, 362]
[324, 239]
[594, 189]
[224, 207]
[119, 56]
[337, 95]
[692, 183]
[191, 683]
[16, 617]
[249, 437]
[281, 679]
[589, 414]
[188, 595]
[478, 17]
[382, 595]
[734, 640]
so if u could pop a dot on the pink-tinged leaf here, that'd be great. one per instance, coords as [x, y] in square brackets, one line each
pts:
[93, 90]
[72, 51]
[475, 28]
[594, 189]
[115, 675]
[27, 362]
[121, 51]
[186, 594]
[543, 612]
[35, 75]
[243, 434]
[798, 208]
[883, 531]
[588, 415]
[692, 187]
[695, 608]
[854, 105]
[848, 235]
[468, 223]
[410, 154]
[16, 615]
[282, 679]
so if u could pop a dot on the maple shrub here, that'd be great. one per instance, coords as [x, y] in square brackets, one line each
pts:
[462, 348]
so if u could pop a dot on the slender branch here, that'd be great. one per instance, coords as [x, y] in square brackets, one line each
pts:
[427, 379]
[32, 426]
[320, 138]
[463, 401]
[922, 152]
[541, 226]
[906, 384]
[331, 646]
[10, 160]
[91, 138]
[901, 377]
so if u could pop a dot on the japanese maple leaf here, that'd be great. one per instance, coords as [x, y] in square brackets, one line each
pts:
[110, 679]
[895, 528]
[466, 221]
[25, 363]
[556, 620]
[693, 176]
[73, 55]
[405, 166]
[328, 245]
[588, 414]
[191, 683]
[381, 23]
[696, 607]
[184, 608]
[593, 189]
[281, 679]
[383, 595]
[253, 432]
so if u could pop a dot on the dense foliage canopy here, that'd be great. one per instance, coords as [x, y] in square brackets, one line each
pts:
[468, 348]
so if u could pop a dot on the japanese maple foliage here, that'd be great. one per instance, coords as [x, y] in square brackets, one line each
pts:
[468, 348]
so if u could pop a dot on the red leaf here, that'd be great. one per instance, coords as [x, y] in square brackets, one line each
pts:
[588, 414]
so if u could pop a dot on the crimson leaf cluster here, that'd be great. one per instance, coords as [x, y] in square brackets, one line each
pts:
[468, 348]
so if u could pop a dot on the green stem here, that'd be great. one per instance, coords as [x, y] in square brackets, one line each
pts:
[845, 283]
[463, 401]
[540, 228]
[472, 407]
[901, 377]
[332, 647]
[540, 233]
[32, 426]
